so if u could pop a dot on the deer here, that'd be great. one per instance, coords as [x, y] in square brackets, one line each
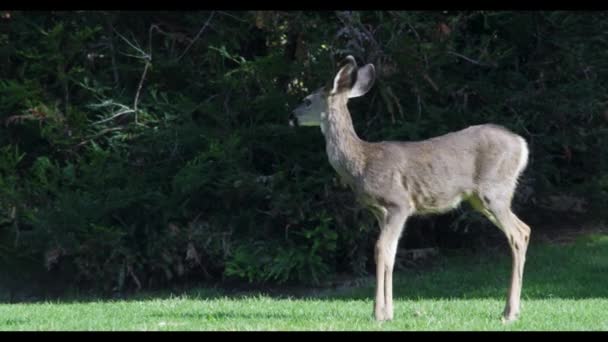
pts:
[395, 180]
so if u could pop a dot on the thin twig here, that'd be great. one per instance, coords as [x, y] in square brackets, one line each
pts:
[414, 30]
[528, 132]
[134, 277]
[396, 100]
[13, 217]
[107, 130]
[232, 16]
[66, 89]
[197, 36]
[419, 105]
[470, 60]
[145, 56]
[226, 99]
[152, 27]
[113, 52]
[426, 60]
[136, 48]
[141, 82]
[126, 111]
[173, 152]
[430, 81]
[134, 56]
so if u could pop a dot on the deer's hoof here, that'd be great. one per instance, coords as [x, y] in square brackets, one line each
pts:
[382, 316]
[509, 317]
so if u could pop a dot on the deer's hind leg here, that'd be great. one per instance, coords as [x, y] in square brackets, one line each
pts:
[498, 210]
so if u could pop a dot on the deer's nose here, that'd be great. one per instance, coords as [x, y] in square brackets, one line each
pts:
[293, 120]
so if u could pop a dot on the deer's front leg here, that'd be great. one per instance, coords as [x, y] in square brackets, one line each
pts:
[379, 303]
[385, 252]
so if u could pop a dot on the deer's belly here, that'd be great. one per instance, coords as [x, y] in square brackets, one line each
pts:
[437, 204]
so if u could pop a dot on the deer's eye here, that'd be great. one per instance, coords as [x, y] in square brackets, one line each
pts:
[307, 102]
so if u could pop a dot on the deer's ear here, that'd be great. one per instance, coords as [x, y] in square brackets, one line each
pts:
[356, 82]
[365, 80]
[344, 78]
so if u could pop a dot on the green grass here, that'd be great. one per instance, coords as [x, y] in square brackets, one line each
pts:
[565, 288]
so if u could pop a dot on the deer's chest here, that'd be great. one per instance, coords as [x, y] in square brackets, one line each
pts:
[345, 165]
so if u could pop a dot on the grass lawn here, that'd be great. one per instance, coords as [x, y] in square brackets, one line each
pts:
[565, 288]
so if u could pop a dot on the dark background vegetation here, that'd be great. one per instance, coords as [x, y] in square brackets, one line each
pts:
[140, 150]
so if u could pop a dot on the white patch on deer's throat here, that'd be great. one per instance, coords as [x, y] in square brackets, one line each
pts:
[323, 122]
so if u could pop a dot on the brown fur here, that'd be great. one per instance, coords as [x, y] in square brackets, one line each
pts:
[396, 180]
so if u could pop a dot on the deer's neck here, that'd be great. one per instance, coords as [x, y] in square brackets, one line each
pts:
[343, 146]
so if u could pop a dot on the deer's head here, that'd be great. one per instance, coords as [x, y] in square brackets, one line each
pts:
[349, 82]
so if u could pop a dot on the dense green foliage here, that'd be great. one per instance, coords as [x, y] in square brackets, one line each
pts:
[142, 149]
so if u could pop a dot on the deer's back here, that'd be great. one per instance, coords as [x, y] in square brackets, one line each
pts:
[436, 174]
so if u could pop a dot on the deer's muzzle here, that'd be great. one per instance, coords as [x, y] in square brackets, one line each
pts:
[293, 120]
